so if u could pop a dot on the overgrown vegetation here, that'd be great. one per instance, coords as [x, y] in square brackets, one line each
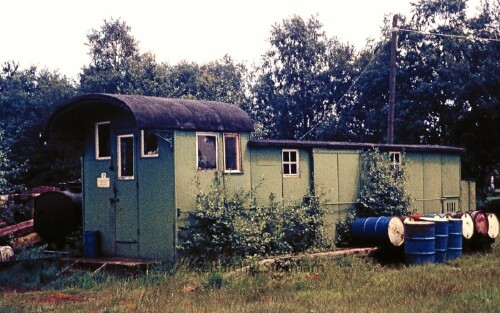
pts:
[231, 226]
[350, 284]
[384, 191]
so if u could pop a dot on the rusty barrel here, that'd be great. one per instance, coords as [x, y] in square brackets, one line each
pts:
[467, 224]
[455, 238]
[481, 226]
[378, 231]
[493, 225]
[441, 237]
[420, 242]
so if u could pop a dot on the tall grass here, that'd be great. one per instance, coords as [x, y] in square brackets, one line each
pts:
[351, 284]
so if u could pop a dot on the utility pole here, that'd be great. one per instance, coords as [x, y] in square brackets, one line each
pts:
[392, 81]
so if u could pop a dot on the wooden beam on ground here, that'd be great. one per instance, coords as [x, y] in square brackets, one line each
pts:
[17, 230]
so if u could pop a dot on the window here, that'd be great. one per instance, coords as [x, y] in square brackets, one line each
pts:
[206, 145]
[290, 162]
[149, 144]
[232, 153]
[103, 141]
[395, 157]
[126, 157]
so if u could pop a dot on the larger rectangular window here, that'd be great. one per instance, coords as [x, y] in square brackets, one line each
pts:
[232, 153]
[290, 160]
[126, 156]
[206, 145]
[103, 140]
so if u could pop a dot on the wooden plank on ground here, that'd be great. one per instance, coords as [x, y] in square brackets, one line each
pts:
[17, 230]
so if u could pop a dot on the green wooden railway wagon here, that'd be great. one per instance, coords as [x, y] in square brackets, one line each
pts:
[145, 158]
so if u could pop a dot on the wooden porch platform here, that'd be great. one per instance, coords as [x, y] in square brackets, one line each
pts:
[101, 263]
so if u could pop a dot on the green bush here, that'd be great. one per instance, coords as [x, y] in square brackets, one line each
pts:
[384, 192]
[226, 227]
[384, 186]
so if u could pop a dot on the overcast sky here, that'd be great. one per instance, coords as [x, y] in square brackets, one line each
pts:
[52, 33]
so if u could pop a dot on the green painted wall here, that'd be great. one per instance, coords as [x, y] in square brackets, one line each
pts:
[157, 213]
[267, 176]
[434, 179]
[187, 174]
[336, 182]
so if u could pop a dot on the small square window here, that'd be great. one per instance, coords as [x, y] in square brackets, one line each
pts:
[207, 151]
[103, 140]
[149, 144]
[395, 157]
[232, 153]
[290, 162]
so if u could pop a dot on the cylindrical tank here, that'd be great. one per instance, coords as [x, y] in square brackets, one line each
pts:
[441, 235]
[420, 242]
[493, 225]
[481, 226]
[455, 237]
[467, 224]
[379, 231]
[57, 214]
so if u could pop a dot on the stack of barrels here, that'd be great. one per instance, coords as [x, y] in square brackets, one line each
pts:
[429, 238]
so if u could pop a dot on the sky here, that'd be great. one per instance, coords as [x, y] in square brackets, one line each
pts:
[52, 33]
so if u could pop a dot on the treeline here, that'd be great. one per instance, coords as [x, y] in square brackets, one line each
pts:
[307, 86]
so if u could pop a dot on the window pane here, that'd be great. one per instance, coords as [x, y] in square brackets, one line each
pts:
[126, 165]
[293, 156]
[231, 153]
[103, 140]
[207, 152]
[286, 156]
[150, 144]
[286, 169]
[293, 169]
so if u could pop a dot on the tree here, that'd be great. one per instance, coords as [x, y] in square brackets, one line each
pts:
[221, 80]
[112, 51]
[300, 79]
[27, 98]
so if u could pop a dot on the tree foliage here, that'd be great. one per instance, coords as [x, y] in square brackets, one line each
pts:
[112, 50]
[300, 79]
[27, 98]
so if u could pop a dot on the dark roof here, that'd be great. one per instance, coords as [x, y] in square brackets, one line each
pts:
[295, 144]
[152, 113]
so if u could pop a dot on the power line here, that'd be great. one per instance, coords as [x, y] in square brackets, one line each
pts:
[377, 51]
[448, 35]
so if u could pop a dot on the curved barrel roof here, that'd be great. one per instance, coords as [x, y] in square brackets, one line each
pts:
[151, 113]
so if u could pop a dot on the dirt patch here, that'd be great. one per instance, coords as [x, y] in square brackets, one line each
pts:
[52, 298]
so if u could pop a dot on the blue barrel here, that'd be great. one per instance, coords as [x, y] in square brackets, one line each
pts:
[378, 231]
[91, 243]
[454, 239]
[420, 242]
[441, 235]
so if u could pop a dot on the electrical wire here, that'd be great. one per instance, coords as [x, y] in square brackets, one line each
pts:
[376, 53]
[447, 35]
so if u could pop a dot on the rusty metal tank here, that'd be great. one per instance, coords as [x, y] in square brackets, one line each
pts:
[57, 214]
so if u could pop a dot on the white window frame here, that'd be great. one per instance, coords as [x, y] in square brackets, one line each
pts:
[143, 144]
[395, 160]
[216, 152]
[296, 162]
[238, 153]
[96, 131]
[119, 156]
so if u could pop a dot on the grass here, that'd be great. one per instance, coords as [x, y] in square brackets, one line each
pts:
[351, 284]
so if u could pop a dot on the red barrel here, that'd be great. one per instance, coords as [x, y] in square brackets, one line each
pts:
[481, 226]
